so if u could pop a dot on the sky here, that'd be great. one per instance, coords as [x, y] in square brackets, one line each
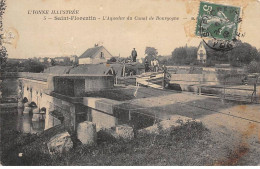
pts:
[32, 36]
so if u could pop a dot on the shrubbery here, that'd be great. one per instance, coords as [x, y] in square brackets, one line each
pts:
[253, 67]
[241, 55]
[151, 149]
[25, 66]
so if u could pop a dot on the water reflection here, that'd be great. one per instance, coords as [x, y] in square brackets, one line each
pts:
[16, 119]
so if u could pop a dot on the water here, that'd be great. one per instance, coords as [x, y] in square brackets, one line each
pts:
[15, 119]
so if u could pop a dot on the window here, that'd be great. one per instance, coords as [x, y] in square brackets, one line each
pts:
[101, 55]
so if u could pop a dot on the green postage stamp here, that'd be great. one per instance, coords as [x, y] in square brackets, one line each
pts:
[218, 21]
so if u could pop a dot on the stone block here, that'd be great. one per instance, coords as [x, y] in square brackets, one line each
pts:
[149, 130]
[86, 132]
[102, 120]
[166, 125]
[125, 132]
[180, 119]
[60, 143]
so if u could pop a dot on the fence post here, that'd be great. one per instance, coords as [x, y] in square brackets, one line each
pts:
[254, 95]
[124, 70]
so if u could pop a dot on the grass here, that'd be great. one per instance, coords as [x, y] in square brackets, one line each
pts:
[184, 145]
[190, 144]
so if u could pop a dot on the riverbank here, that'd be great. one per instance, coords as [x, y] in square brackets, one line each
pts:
[188, 144]
[184, 145]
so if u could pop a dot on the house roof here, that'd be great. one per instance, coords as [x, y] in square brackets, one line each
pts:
[98, 69]
[89, 53]
[201, 43]
[58, 69]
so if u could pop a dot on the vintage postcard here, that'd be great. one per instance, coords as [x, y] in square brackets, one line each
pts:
[130, 83]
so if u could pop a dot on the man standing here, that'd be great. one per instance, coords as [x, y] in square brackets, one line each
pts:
[134, 55]
[156, 65]
[146, 65]
[152, 64]
[166, 77]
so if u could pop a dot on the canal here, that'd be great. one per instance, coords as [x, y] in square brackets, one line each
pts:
[13, 118]
[16, 119]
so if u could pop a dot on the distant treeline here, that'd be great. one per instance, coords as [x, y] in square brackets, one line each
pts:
[242, 55]
[32, 65]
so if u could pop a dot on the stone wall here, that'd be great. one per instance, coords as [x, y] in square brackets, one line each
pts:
[67, 109]
[35, 91]
[77, 85]
[103, 120]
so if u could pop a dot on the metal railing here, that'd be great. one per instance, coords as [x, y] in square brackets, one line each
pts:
[236, 90]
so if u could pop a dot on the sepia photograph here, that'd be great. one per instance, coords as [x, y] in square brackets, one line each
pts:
[129, 83]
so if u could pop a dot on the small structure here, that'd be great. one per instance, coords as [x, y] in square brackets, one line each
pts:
[96, 55]
[41, 60]
[73, 58]
[76, 85]
[62, 59]
[201, 53]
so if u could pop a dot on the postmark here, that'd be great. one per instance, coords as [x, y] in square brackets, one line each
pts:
[218, 23]
[10, 37]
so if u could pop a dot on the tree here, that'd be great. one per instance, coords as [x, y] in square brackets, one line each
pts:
[214, 55]
[253, 67]
[3, 58]
[25, 66]
[243, 53]
[151, 53]
[184, 55]
[32, 66]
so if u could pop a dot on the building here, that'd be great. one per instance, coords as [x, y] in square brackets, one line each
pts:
[202, 53]
[73, 58]
[95, 55]
[62, 59]
[41, 60]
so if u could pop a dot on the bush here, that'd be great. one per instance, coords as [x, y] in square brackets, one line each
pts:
[253, 67]
[210, 63]
[25, 66]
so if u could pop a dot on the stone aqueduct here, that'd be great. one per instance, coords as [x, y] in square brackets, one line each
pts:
[63, 96]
